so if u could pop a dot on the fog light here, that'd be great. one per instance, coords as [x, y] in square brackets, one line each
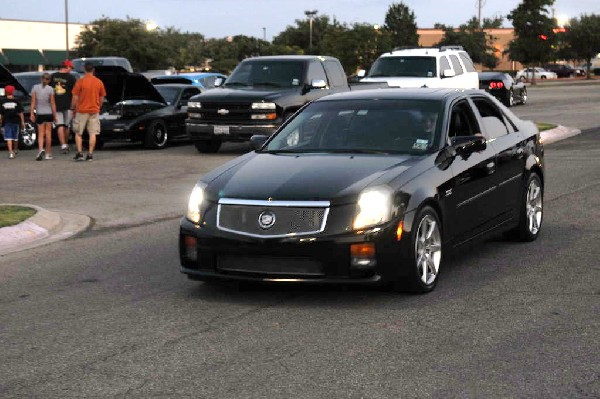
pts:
[190, 245]
[362, 255]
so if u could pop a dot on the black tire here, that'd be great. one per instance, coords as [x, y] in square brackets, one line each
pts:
[424, 252]
[543, 77]
[530, 221]
[510, 99]
[156, 135]
[28, 137]
[208, 146]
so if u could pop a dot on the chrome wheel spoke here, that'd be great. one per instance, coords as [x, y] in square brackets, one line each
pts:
[435, 247]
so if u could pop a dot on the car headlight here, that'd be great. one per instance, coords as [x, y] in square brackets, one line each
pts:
[264, 106]
[374, 207]
[194, 104]
[195, 202]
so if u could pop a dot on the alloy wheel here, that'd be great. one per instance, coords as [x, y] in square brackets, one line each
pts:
[160, 136]
[28, 135]
[534, 207]
[428, 249]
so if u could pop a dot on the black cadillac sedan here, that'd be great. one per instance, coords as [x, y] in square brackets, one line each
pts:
[502, 86]
[367, 187]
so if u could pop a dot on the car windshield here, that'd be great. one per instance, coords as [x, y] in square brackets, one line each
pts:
[361, 126]
[168, 93]
[421, 67]
[28, 81]
[267, 73]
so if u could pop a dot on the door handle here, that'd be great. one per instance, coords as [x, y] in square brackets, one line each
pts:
[491, 167]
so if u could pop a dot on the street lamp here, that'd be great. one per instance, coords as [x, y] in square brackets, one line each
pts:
[310, 15]
[67, 28]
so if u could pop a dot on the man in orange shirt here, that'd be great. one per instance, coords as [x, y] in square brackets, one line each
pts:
[88, 95]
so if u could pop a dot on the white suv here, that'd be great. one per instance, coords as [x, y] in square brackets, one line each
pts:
[447, 66]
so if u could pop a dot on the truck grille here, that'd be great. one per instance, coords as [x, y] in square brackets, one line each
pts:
[235, 112]
[268, 219]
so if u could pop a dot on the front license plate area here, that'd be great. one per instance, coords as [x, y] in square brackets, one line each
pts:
[221, 130]
[269, 265]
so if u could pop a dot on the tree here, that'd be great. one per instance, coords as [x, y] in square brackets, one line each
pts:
[583, 38]
[476, 41]
[299, 35]
[534, 39]
[400, 23]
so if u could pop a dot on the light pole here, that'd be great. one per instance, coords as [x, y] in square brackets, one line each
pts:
[67, 28]
[310, 14]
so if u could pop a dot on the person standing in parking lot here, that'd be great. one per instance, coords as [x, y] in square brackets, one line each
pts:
[11, 118]
[88, 95]
[42, 102]
[63, 82]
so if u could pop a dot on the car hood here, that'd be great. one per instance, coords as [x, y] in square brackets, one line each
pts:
[121, 85]
[404, 81]
[7, 78]
[250, 93]
[338, 178]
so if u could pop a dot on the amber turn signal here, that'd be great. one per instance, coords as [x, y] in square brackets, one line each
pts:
[399, 230]
[364, 250]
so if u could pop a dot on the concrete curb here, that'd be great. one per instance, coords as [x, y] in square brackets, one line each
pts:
[47, 226]
[42, 228]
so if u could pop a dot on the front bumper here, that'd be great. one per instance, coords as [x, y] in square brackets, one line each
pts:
[198, 131]
[318, 259]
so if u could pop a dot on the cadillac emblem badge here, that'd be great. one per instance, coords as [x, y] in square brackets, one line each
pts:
[266, 220]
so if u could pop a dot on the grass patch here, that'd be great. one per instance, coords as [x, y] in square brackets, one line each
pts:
[545, 126]
[11, 214]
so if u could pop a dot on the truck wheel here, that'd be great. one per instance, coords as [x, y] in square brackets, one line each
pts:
[208, 146]
[156, 135]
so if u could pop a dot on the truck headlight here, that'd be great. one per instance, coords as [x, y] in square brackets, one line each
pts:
[374, 207]
[264, 106]
[194, 104]
[195, 203]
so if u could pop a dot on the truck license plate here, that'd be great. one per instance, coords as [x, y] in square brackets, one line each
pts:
[221, 130]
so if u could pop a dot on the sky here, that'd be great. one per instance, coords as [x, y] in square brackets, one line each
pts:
[222, 18]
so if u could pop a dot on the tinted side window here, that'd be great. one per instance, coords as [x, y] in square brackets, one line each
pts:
[444, 64]
[187, 94]
[316, 71]
[456, 65]
[336, 76]
[467, 62]
[462, 121]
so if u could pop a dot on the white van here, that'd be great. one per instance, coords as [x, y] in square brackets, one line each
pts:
[447, 66]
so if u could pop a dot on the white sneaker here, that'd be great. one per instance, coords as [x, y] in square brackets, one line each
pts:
[49, 156]
[11, 155]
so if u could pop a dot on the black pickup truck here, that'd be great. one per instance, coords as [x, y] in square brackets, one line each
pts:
[260, 94]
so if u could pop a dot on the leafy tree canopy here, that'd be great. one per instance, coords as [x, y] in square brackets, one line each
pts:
[401, 24]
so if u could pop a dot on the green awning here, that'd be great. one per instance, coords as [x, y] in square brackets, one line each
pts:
[23, 56]
[54, 57]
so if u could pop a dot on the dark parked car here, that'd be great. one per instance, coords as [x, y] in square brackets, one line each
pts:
[502, 86]
[137, 111]
[563, 70]
[28, 136]
[367, 187]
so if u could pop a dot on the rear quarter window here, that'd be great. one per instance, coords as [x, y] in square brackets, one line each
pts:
[468, 63]
[335, 73]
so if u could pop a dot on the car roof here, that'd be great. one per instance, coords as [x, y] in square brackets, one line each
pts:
[290, 58]
[439, 94]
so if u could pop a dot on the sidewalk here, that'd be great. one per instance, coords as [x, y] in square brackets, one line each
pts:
[47, 226]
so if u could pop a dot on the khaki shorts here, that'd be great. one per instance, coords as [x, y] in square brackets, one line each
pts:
[63, 118]
[89, 121]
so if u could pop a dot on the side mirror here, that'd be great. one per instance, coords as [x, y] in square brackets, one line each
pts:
[448, 73]
[318, 84]
[219, 82]
[257, 141]
[361, 73]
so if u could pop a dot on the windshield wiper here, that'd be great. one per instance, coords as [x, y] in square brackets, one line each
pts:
[266, 84]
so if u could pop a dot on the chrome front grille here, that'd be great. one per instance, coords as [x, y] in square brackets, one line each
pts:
[268, 219]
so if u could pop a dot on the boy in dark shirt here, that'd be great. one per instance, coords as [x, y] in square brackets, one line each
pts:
[11, 114]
